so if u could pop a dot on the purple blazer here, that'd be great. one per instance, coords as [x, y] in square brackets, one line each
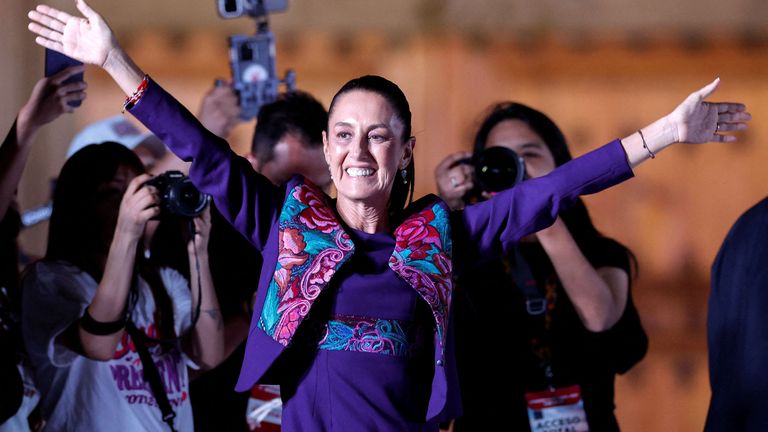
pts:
[269, 216]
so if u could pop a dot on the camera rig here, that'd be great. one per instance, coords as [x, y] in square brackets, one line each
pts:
[252, 57]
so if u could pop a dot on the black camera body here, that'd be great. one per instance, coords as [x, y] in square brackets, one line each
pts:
[178, 196]
[496, 169]
[252, 57]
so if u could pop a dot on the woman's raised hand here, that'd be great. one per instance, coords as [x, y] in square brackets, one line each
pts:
[88, 38]
[697, 121]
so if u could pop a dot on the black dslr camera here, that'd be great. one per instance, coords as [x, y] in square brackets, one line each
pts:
[178, 196]
[252, 58]
[496, 169]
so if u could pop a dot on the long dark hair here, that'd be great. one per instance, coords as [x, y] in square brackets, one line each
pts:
[402, 192]
[576, 218]
[81, 231]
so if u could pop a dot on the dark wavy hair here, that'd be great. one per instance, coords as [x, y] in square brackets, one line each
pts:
[402, 193]
[81, 234]
[576, 218]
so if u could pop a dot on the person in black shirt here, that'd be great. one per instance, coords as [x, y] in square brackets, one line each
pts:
[736, 326]
[561, 302]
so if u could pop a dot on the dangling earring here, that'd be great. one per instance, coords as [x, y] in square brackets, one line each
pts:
[404, 174]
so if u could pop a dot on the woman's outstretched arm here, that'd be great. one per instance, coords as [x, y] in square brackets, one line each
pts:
[493, 226]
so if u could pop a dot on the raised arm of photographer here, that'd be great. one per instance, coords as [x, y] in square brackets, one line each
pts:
[220, 111]
[599, 295]
[693, 122]
[206, 343]
[49, 99]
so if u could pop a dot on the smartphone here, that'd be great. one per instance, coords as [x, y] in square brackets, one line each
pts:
[55, 62]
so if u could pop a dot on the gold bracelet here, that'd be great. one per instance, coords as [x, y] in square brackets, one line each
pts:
[645, 145]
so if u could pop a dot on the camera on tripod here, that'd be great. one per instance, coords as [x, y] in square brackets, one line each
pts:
[252, 57]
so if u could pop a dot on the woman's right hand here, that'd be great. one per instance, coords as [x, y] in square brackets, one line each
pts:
[88, 38]
[454, 179]
[140, 203]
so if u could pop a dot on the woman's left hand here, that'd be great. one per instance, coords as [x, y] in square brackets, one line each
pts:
[697, 121]
[199, 239]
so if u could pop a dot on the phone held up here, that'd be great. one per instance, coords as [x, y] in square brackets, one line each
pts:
[56, 62]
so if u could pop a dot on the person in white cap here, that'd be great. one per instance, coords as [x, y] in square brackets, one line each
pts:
[118, 129]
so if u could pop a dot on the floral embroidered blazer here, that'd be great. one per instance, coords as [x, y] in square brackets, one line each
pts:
[304, 243]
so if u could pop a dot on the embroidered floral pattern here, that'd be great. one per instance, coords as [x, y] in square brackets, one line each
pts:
[422, 257]
[312, 247]
[370, 335]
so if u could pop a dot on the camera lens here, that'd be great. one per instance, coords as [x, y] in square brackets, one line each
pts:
[498, 168]
[231, 6]
[186, 200]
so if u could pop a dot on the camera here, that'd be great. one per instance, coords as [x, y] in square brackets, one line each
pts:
[252, 57]
[178, 196]
[255, 8]
[496, 169]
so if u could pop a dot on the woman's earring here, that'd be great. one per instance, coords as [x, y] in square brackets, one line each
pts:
[404, 174]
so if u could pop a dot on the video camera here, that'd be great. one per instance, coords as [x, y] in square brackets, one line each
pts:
[252, 58]
[495, 169]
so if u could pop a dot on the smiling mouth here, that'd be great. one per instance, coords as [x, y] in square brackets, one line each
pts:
[359, 172]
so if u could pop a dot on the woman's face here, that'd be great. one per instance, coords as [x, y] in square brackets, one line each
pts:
[364, 148]
[516, 135]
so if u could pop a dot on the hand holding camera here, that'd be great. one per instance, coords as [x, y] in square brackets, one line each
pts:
[138, 205]
[177, 195]
[465, 178]
[252, 57]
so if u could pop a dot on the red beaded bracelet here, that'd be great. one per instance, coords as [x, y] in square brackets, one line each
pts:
[130, 101]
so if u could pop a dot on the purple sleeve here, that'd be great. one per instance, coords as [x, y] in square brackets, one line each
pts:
[247, 199]
[490, 228]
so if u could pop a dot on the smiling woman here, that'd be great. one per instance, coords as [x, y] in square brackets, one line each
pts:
[369, 149]
[352, 316]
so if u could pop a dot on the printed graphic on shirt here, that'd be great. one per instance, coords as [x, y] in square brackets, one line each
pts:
[127, 372]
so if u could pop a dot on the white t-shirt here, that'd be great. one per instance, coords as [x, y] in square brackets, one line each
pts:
[20, 421]
[80, 394]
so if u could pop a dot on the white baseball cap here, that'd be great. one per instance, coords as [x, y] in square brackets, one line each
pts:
[119, 130]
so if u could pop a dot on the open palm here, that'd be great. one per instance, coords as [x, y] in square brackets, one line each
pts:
[88, 38]
[699, 122]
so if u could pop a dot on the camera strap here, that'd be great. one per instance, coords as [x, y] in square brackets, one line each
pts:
[520, 271]
[151, 374]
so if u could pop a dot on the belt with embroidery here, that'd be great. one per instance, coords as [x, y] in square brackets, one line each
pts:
[397, 338]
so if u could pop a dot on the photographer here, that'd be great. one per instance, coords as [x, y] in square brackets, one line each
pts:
[48, 100]
[589, 329]
[109, 333]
